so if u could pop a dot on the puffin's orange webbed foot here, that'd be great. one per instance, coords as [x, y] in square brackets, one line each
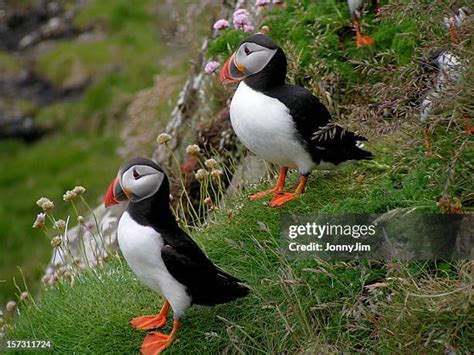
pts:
[261, 194]
[364, 41]
[278, 187]
[156, 342]
[148, 322]
[152, 322]
[283, 198]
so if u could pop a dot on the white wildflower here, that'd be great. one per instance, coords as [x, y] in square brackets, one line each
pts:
[11, 306]
[45, 204]
[45, 279]
[40, 221]
[208, 201]
[78, 190]
[60, 224]
[69, 195]
[216, 173]
[163, 138]
[211, 163]
[56, 241]
[193, 149]
[201, 175]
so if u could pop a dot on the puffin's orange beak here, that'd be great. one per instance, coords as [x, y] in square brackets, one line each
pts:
[115, 194]
[232, 72]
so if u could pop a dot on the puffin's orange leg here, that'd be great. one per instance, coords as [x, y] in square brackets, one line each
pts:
[453, 33]
[278, 187]
[152, 322]
[362, 40]
[281, 199]
[156, 342]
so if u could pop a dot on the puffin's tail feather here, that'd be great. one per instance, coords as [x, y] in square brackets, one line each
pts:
[356, 153]
[224, 288]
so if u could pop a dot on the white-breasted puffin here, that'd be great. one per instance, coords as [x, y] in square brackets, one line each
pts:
[161, 254]
[355, 9]
[278, 121]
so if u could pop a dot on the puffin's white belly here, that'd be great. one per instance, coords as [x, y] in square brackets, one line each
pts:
[141, 247]
[265, 127]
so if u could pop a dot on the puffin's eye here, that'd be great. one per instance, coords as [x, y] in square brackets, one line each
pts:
[136, 175]
[246, 50]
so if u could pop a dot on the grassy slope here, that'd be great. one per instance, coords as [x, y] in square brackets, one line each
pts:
[298, 305]
[83, 149]
[294, 305]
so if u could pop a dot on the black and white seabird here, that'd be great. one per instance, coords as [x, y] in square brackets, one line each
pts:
[162, 255]
[278, 121]
[457, 21]
[355, 9]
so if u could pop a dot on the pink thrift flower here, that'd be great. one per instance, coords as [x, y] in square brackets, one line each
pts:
[240, 21]
[240, 18]
[241, 12]
[278, 2]
[249, 28]
[262, 2]
[221, 24]
[211, 67]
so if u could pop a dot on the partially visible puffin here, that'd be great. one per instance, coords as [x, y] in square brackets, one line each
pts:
[279, 122]
[355, 9]
[455, 22]
[162, 255]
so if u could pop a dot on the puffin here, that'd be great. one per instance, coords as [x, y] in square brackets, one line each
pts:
[282, 123]
[355, 9]
[161, 254]
[456, 22]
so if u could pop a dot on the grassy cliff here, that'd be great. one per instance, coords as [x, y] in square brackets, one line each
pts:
[314, 305]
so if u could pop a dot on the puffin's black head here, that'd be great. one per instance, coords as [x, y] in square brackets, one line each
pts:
[258, 61]
[137, 180]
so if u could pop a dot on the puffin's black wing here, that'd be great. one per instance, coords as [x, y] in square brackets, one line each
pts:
[311, 116]
[206, 283]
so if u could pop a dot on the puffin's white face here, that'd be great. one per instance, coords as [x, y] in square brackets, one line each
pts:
[253, 57]
[249, 59]
[140, 182]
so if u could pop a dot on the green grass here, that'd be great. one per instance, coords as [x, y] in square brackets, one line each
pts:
[294, 305]
[309, 306]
